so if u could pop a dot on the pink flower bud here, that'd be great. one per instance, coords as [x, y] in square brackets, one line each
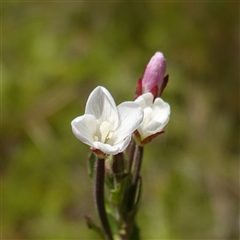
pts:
[153, 79]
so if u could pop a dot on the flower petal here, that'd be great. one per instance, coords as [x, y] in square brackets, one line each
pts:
[161, 111]
[123, 145]
[145, 100]
[153, 127]
[150, 128]
[156, 116]
[142, 132]
[130, 116]
[84, 127]
[106, 148]
[102, 105]
[147, 116]
[113, 150]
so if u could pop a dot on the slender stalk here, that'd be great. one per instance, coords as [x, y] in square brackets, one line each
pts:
[137, 164]
[130, 151]
[138, 154]
[99, 196]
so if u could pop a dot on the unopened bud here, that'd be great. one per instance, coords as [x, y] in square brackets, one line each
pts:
[153, 79]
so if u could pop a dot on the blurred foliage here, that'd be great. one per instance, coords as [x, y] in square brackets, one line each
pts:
[55, 53]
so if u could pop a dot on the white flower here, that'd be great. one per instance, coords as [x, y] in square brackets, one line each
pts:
[156, 115]
[104, 126]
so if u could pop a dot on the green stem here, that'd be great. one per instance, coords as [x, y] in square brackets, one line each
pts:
[138, 163]
[132, 191]
[130, 151]
[99, 196]
[138, 155]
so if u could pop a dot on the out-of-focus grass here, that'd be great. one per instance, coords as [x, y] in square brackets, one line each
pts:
[55, 53]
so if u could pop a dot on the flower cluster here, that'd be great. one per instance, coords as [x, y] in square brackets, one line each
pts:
[108, 128]
[118, 134]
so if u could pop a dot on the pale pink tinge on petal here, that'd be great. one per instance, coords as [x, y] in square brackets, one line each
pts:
[153, 77]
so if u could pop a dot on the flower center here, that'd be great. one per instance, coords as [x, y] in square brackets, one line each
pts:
[105, 132]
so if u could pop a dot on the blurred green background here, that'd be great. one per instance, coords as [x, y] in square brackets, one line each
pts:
[55, 53]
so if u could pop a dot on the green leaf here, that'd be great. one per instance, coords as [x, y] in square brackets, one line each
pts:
[112, 223]
[109, 181]
[116, 195]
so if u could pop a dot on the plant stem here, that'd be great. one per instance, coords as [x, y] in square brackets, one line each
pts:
[99, 196]
[133, 195]
[130, 151]
[137, 164]
[138, 154]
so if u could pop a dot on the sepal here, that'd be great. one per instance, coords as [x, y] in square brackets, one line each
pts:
[164, 84]
[99, 153]
[146, 140]
[150, 138]
[154, 91]
[138, 91]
